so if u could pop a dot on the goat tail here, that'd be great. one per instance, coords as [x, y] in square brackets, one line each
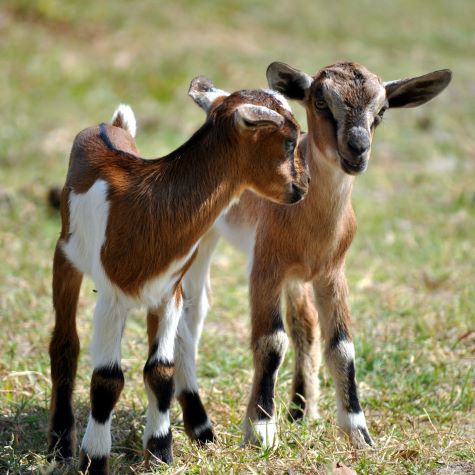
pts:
[124, 118]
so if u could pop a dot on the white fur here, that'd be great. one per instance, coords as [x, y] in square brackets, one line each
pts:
[346, 350]
[97, 439]
[127, 117]
[347, 420]
[154, 291]
[241, 237]
[185, 366]
[285, 104]
[109, 321]
[166, 331]
[158, 423]
[262, 432]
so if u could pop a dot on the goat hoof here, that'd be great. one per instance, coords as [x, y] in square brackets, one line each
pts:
[159, 449]
[263, 433]
[61, 447]
[93, 465]
[360, 438]
[205, 436]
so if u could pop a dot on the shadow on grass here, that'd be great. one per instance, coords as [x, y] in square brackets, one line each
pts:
[23, 441]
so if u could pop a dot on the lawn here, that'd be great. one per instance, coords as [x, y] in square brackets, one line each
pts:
[411, 268]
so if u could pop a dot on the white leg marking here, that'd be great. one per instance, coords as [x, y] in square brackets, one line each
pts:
[97, 439]
[262, 432]
[185, 367]
[158, 423]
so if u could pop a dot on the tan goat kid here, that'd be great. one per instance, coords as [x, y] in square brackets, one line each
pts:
[134, 226]
[300, 250]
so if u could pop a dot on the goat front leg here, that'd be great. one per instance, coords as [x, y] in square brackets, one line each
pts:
[158, 377]
[269, 344]
[196, 289]
[335, 320]
[302, 324]
[107, 383]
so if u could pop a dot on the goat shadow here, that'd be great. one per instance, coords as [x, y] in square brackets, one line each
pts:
[23, 442]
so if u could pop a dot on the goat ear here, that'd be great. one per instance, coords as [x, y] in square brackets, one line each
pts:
[204, 93]
[252, 116]
[413, 92]
[290, 82]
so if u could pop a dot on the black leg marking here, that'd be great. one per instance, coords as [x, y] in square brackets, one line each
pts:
[340, 335]
[366, 436]
[106, 385]
[159, 376]
[353, 401]
[62, 434]
[297, 409]
[265, 400]
[161, 447]
[93, 465]
[195, 417]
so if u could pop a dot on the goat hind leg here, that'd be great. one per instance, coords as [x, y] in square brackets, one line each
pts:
[64, 353]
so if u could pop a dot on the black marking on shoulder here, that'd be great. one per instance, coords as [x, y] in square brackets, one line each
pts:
[105, 138]
[108, 143]
[161, 447]
[353, 401]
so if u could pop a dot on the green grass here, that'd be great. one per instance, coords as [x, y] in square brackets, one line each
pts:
[66, 65]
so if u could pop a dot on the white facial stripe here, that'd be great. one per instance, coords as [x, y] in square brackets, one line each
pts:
[283, 101]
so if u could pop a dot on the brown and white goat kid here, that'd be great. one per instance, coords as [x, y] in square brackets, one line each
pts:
[134, 226]
[300, 250]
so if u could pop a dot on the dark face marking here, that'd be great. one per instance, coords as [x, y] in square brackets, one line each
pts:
[161, 447]
[348, 97]
[265, 401]
[106, 385]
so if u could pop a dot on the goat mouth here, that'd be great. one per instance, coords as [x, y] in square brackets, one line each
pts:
[297, 195]
[352, 168]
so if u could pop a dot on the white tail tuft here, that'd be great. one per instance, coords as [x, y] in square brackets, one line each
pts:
[124, 118]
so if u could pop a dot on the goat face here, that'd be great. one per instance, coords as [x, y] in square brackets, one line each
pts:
[267, 135]
[345, 103]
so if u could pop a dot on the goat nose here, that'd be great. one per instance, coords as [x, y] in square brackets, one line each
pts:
[358, 140]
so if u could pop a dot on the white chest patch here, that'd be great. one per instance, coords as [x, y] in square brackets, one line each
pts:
[88, 216]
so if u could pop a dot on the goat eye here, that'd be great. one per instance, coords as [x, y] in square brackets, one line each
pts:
[320, 104]
[379, 116]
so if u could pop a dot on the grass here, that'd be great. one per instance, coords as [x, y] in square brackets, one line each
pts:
[66, 65]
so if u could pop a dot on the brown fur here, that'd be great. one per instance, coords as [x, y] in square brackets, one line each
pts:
[158, 210]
